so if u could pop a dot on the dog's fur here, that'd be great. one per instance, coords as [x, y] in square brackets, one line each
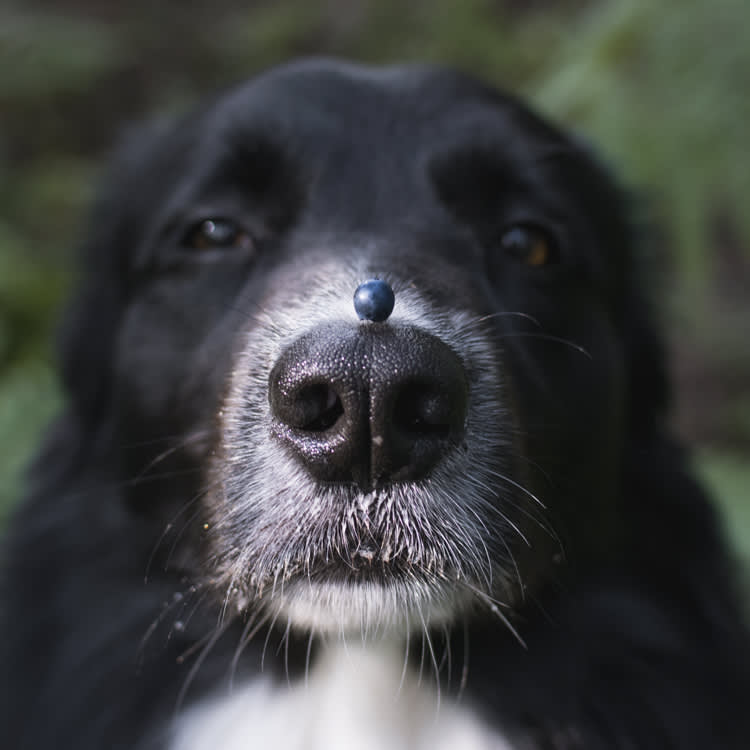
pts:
[538, 569]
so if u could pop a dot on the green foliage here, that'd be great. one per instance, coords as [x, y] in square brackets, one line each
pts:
[28, 399]
[662, 85]
[729, 478]
[46, 56]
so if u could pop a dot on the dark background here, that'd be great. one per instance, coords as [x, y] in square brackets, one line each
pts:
[660, 87]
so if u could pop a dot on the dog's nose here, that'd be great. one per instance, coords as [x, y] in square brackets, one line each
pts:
[369, 404]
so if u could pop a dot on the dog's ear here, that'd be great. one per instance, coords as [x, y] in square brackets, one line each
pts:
[649, 393]
[622, 224]
[123, 204]
[90, 322]
[665, 504]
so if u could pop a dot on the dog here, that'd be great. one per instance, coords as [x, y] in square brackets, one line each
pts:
[366, 445]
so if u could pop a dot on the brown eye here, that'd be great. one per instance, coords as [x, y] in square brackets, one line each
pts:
[529, 245]
[218, 233]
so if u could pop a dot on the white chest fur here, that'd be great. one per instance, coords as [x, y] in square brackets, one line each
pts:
[355, 698]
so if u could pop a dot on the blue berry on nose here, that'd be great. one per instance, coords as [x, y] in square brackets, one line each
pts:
[374, 300]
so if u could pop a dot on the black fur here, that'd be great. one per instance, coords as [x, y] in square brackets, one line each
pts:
[116, 609]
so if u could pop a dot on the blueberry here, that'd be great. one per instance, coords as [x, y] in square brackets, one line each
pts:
[374, 300]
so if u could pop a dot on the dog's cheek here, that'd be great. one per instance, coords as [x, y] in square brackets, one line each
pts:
[576, 422]
[170, 365]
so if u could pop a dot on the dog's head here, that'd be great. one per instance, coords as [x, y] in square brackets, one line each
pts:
[344, 467]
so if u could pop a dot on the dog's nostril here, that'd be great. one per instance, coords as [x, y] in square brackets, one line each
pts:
[423, 409]
[307, 406]
[319, 406]
[311, 407]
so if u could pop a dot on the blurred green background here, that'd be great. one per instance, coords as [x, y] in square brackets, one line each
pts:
[659, 86]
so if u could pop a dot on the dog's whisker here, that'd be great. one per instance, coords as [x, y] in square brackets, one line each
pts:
[496, 510]
[168, 528]
[518, 486]
[494, 606]
[538, 520]
[404, 668]
[180, 445]
[548, 337]
[252, 627]
[465, 663]
[211, 642]
[433, 661]
[479, 321]
[178, 601]
[308, 653]
[422, 652]
[285, 642]
[271, 627]
[446, 660]
[178, 535]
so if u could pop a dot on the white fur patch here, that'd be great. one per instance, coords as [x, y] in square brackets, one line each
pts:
[356, 697]
[369, 608]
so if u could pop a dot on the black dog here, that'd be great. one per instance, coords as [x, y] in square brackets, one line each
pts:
[273, 515]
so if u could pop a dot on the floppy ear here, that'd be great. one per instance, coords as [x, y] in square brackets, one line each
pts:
[90, 323]
[123, 205]
[674, 543]
[616, 215]
[648, 381]
[677, 542]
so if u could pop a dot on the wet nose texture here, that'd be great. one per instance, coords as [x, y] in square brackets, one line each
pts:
[370, 404]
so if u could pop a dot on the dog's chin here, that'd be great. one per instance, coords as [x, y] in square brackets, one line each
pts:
[369, 608]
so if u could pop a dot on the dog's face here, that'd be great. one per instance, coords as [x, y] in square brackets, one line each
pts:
[341, 473]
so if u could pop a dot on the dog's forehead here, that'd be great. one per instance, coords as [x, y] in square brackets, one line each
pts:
[344, 100]
[321, 84]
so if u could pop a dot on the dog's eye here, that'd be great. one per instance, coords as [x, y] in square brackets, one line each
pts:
[217, 233]
[529, 245]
